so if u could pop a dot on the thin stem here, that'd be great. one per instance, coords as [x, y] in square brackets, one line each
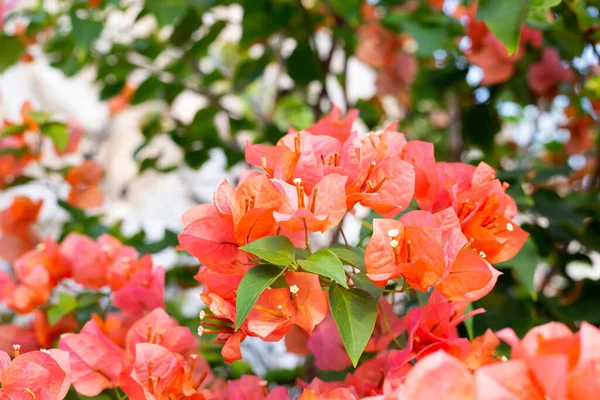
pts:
[306, 236]
[388, 326]
[344, 237]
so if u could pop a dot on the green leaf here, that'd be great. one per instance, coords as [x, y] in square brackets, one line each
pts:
[362, 282]
[277, 250]
[429, 37]
[505, 18]
[66, 303]
[167, 11]
[355, 313]
[248, 71]
[325, 263]
[524, 265]
[12, 130]
[469, 321]
[354, 256]
[303, 65]
[85, 31]
[188, 25]
[252, 285]
[12, 48]
[148, 90]
[57, 132]
[544, 3]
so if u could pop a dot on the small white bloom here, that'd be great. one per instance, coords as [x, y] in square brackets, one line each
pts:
[394, 243]
[294, 289]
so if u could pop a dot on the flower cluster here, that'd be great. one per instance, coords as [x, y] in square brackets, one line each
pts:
[137, 286]
[311, 180]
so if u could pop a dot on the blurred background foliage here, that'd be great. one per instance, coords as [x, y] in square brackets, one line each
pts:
[263, 66]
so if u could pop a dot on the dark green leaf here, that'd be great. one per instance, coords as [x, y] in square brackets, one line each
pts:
[524, 265]
[11, 51]
[85, 31]
[505, 18]
[276, 250]
[167, 12]
[251, 286]
[325, 263]
[188, 25]
[148, 90]
[363, 282]
[304, 66]
[248, 71]
[353, 256]
[355, 313]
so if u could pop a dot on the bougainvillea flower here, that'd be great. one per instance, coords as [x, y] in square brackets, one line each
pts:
[276, 310]
[25, 338]
[420, 155]
[485, 211]
[323, 209]
[17, 235]
[559, 359]
[381, 181]
[420, 246]
[439, 376]
[398, 76]
[208, 235]
[327, 347]
[213, 234]
[88, 263]
[319, 156]
[506, 380]
[115, 326]
[84, 180]
[143, 293]
[122, 261]
[481, 350]
[544, 76]
[470, 278]
[47, 333]
[250, 387]
[320, 390]
[158, 373]
[22, 298]
[278, 162]
[96, 362]
[334, 125]
[251, 206]
[376, 45]
[580, 128]
[431, 328]
[158, 327]
[37, 374]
